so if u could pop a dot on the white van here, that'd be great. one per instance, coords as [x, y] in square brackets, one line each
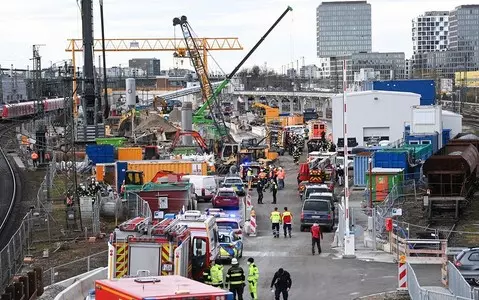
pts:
[205, 186]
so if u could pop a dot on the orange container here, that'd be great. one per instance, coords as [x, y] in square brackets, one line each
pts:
[100, 172]
[151, 167]
[130, 153]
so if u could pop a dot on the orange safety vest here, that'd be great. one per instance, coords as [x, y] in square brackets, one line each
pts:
[280, 174]
[34, 156]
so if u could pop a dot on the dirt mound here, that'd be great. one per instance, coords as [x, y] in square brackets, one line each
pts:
[153, 121]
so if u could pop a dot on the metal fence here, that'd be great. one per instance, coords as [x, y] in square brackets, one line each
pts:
[74, 268]
[134, 206]
[456, 283]
[384, 209]
[12, 255]
[416, 292]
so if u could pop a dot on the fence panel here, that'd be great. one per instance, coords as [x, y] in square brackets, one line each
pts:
[456, 283]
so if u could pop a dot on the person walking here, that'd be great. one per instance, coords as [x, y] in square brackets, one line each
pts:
[280, 176]
[259, 189]
[235, 279]
[282, 283]
[274, 189]
[287, 219]
[216, 273]
[316, 237]
[275, 221]
[253, 276]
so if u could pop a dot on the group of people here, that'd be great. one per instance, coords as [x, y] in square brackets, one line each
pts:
[274, 179]
[235, 279]
[285, 218]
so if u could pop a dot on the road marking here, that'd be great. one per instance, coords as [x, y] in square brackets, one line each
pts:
[355, 293]
[280, 254]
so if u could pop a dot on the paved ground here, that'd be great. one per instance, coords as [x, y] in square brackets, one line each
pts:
[325, 276]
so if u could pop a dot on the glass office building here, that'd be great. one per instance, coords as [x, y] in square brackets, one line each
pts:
[343, 28]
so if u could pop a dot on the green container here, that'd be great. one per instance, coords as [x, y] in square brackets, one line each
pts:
[415, 151]
[384, 179]
[115, 142]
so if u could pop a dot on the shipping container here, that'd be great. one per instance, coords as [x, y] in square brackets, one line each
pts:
[100, 153]
[115, 142]
[383, 180]
[361, 166]
[391, 159]
[130, 153]
[425, 88]
[151, 167]
[166, 197]
[106, 173]
[424, 139]
[446, 136]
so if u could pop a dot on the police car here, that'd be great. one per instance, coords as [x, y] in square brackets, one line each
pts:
[227, 219]
[236, 183]
[231, 244]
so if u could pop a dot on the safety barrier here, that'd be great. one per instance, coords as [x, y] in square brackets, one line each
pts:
[252, 223]
[80, 289]
[419, 250]
[402, 274]
[456, 283]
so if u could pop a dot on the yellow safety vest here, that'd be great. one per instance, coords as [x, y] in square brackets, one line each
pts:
[275, 217]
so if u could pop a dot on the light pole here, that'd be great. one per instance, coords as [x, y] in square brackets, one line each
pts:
[349, 243]
[370, 161]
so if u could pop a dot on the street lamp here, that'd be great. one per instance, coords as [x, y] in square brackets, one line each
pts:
[370, 161]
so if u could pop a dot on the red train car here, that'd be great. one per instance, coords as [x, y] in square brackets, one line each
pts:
[23, 109]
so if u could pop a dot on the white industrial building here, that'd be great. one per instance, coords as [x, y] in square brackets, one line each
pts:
[373, 115]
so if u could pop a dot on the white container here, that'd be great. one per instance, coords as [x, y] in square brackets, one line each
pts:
[130, 92]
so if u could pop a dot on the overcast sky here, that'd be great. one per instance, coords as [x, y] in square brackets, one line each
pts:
[51, 22]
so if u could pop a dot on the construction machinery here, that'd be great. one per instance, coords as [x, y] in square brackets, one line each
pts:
[176, 148]
[207, 113]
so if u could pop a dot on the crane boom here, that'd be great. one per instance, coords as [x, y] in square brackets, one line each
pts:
[199, 116]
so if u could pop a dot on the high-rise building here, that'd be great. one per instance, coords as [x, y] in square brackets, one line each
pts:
[430, 31]
[461, 52]
[343, 28]
[464, 28]
[150, 65]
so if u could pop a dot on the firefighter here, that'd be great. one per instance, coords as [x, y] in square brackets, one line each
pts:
[216, 273]
[235, 278]
[253, 276]
[274, 189]
[287, 219]
[275, 221]
[207, 275]
[34, 158]
[259, 189]
[296, 154]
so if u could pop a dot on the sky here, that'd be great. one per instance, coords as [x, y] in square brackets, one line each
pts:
[24, 23]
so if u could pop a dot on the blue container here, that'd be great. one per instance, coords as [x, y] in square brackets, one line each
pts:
[101, 154]
[425, 88]
[121, 168]
[361, 167]
[424, 139]
[391, 159]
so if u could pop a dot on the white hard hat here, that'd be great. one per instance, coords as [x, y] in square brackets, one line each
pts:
[315, 224]
[234, 261]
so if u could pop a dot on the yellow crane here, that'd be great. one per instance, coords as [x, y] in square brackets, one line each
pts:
[151, 44]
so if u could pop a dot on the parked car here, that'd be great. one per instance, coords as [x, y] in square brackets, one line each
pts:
[226, 198]
[205, 186]
[317, 211]
[314, 188]
[233, 220]
[467, 262]
[231, 244]
[236, 183]
[323, 196]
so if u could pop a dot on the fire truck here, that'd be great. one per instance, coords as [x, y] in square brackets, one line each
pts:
[158, 288]
[140, 247]
[182, 246]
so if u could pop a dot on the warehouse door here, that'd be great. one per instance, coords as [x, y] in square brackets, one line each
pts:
[375, 134]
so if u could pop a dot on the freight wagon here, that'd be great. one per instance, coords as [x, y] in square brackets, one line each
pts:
[451, 175]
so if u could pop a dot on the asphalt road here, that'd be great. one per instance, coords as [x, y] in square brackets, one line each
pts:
[314, 277]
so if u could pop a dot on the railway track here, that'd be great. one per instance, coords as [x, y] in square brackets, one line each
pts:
[8, 184]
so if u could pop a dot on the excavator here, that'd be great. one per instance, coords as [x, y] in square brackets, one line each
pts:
[209, 115]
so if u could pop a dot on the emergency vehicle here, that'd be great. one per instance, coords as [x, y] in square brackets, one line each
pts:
[138, 246]
[158, 288]
[204, 239]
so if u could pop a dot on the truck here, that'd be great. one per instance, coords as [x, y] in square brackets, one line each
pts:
[172, 287]
[139, 246]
